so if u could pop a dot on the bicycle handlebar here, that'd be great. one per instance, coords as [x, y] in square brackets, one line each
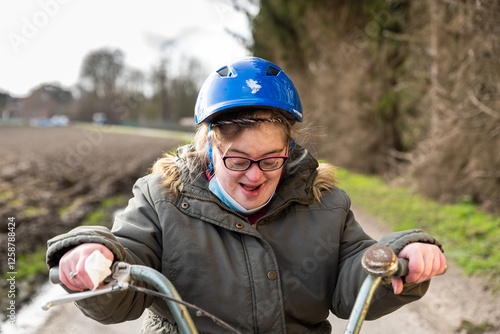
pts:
[402, 268]
[379, 262]
[54, 275]
[122, 274]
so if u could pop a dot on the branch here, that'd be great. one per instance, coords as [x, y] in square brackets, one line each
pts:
[397, 37]
[481, 106]
[399, 155]
[481, 174]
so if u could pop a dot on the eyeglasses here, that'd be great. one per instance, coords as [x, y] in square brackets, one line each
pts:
[240, 164]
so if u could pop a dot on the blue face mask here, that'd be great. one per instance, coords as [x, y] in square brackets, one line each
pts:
[217, 189]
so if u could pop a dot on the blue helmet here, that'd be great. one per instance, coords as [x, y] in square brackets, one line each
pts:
[248, 82]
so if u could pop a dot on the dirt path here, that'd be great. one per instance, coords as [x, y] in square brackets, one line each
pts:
[451, 299]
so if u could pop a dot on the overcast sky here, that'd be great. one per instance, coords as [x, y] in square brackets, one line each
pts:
[45, 41]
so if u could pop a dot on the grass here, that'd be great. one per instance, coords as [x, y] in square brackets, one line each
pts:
[146, 132]
[470, 237]
[33, 211]
[469, 327]
[63, 210]
[28, 266]
[103, 216]
[6, 194]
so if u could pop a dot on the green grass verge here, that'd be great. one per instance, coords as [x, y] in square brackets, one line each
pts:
[468, 327]
[103, 216]
[470, 237]
[28, 266]
[136, 131]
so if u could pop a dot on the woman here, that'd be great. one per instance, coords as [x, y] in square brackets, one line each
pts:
[245, 223]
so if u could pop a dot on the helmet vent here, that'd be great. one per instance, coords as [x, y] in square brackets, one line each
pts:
[272, 72]
[225, 72]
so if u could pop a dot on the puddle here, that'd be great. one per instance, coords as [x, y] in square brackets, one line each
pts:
[32, 316]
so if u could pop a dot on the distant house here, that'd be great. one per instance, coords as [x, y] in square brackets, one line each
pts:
[13, 108]
[42, 103]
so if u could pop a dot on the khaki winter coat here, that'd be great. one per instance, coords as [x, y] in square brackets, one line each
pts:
[283, 275]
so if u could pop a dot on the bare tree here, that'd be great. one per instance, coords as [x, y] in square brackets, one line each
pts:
[159, 81]
[100, 72]
[102, 69]
[184, 88]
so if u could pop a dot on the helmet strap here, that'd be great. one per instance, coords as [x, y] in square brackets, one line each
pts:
[291, 145]
[208, 148]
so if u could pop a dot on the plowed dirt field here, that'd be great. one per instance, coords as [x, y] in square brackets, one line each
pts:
[52, 178]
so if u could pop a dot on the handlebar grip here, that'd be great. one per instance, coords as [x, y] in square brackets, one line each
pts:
[402, 268]
[54, 275]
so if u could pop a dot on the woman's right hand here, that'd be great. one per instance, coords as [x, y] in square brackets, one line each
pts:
[72, 266]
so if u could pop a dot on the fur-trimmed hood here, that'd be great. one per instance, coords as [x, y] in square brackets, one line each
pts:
[303, 172]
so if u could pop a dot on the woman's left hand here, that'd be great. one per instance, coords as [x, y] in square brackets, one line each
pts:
[425, 262]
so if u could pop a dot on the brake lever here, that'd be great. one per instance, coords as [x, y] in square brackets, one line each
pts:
[120, 278]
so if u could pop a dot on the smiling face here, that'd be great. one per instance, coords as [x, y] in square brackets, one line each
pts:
[253, 187]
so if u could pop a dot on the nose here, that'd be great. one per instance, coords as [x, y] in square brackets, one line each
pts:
[254, 173]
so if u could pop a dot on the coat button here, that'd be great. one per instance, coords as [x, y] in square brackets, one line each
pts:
[272, 275]
[240, 225]
[185, 205]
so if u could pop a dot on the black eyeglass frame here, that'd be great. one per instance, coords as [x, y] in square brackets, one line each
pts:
[254, 161]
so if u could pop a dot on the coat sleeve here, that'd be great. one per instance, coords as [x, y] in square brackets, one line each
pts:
[351, 274]
[135, 238]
